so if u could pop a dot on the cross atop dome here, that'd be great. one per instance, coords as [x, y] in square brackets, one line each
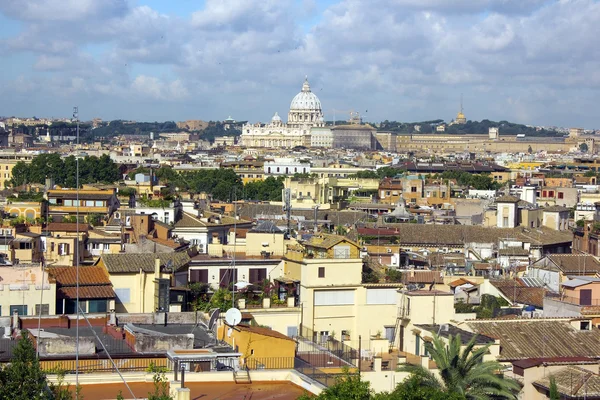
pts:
[305, 85]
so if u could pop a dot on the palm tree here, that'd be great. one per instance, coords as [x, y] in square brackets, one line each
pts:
[463, 371]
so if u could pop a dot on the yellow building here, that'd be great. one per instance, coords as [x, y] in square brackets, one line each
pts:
[248, 170]
[29, 210]
[67, 202]
[525, 165]
[62, 242]
[259, 346]
[20, 291]
[7, 163]
[308, 191]
[140, 280]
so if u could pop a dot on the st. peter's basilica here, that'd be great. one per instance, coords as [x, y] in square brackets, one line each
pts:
[305, 113]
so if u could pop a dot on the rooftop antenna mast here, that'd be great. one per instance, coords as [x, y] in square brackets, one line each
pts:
[287, 207]
[76, 117]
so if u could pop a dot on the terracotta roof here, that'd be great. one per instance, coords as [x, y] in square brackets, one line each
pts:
[263, 331]
[191, 221]
[87, 292]
[460, 282]
[573, 382]
[516, 292]
[66, 227]
[326, 241]
[422, 276]
[485, 266]
[526, 338]
[168, 242]
[133, 262]
[556, 209]
[88, 275]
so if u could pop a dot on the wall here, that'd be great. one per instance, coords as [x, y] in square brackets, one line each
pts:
[65, 345]
[141, 292]
[146, 341]
[279, 319]
[22, 285]
[275, 243]
[253, 345]
[338, 272]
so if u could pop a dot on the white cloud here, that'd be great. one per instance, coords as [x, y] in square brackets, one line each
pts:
[405, 59]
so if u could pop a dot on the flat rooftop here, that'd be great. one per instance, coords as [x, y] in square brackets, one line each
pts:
[204, 391]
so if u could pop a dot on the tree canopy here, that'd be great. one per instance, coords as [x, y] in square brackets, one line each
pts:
[92, 169]
[462, 371]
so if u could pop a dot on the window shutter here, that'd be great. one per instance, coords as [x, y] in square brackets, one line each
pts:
[203, 276]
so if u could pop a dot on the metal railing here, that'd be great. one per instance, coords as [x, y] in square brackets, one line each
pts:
[574, 300]
[313, 347]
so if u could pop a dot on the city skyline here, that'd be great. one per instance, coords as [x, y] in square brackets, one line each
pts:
[530, 62]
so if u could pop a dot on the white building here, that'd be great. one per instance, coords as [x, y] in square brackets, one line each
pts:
[321, 137]
[286, 166]
[305, 113]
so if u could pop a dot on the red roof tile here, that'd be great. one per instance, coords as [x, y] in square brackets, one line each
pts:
[87, 292]
[89, 275]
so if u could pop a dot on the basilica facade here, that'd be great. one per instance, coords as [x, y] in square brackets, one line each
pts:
[305, 113]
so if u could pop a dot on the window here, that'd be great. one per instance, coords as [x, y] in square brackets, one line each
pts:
[561, 195]
[95, 246]
[63, 249]
[89, 203]
[226, 275]
[166, 217]
[99, 203]
[68, 203]
[123, 295]
[52, 247]
[257, 275]
[71, 306]
[97, 306]
[321, 272]
[20, 309]
[45, 309]
[551, 193]
[390, 333]
[544, 193]
[334, 297]
[382, 296]
[292, 331]
[199, 275]
[413, 189]
[505, 221]
[106, 246]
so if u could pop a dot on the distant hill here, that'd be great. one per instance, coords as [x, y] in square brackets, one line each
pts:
[469, 128]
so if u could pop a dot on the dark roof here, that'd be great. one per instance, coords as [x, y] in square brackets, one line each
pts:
[573, 382]
[507, 199]
[556, 209]
[476, 167]
[425, 234]
[454, 331]
[534, 362]
[82, 196]
[133, 262]
[570, 264]
[531, 338]
[266, 227]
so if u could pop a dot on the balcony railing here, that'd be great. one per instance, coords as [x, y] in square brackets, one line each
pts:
[575, 300]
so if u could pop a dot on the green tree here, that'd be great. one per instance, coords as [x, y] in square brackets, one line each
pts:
[554, 393]
[23, 378]
[161, 383]
[347, 387]
[463, 371]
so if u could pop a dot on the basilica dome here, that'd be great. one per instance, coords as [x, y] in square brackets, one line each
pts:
[305, 109]
[305, 100]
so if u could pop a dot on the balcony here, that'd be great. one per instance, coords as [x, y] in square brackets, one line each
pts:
[574, 300]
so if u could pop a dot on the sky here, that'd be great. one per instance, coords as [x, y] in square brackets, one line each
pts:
[527, 61]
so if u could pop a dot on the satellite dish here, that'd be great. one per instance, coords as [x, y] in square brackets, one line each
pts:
[233, 316]
[213, 318]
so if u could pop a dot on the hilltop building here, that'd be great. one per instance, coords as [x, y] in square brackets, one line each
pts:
[305, 113]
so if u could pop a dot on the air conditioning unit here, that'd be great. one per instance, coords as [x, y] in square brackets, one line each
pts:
[389, 250]
[128, 220]
[117, 215]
